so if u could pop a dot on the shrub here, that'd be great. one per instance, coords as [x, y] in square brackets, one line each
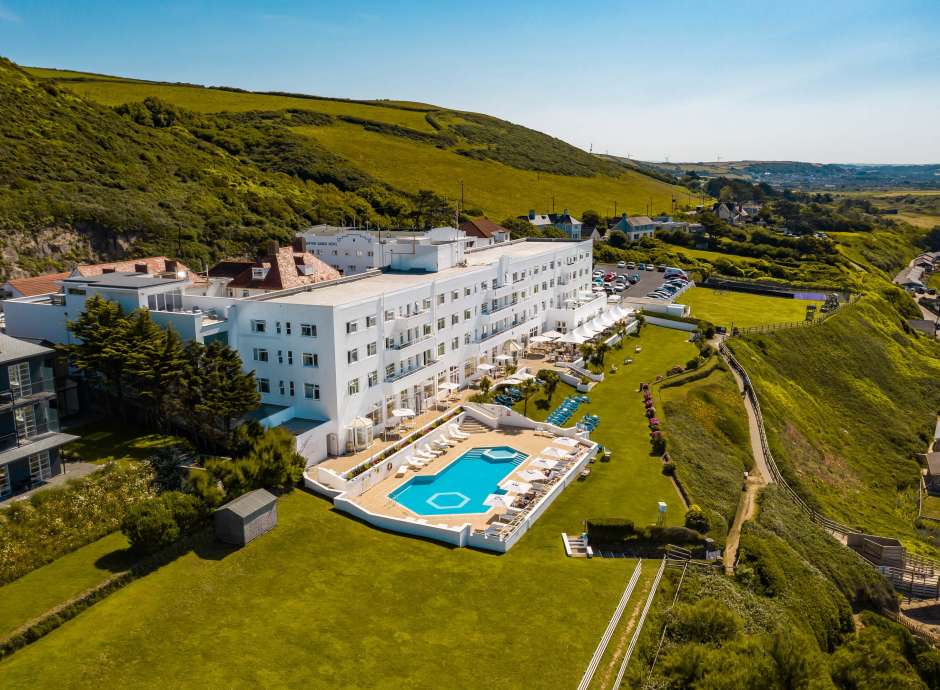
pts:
[669, 468]
[150, 525]
[695, 518]
[705, 622]
[692, 364]
[658, 442]
[609, 530]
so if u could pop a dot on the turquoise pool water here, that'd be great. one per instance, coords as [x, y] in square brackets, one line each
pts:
[462, 486]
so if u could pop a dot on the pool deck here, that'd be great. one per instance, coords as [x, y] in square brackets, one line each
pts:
[376, 499]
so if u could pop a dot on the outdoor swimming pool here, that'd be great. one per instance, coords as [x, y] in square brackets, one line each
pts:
[462, 486]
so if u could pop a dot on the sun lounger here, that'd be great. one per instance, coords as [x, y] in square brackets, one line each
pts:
[426, 449]
[402, 469]
[423, 455]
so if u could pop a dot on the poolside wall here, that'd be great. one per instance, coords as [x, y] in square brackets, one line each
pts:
[667, 323]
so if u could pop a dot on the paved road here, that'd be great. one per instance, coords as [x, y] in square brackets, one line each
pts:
[649, 280]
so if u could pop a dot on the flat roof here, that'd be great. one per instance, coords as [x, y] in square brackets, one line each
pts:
[124, 280]
[13, 349]
[369, 287]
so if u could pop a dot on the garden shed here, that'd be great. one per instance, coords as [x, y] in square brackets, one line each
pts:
[248, 516]
[932, 476]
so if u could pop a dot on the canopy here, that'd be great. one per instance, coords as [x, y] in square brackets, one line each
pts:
[499, 500]
[555, 452]
[551, 334]
[360, 423]
[585, 332]
[539, 339]
[587, 294]
[448, 386]
[566, 441]
[523, 376]
[403, 412]
[608, 319]
[531, 475]
[502, 358]
[485, 367]
[516, 487]
[572, 338]
[597, 324]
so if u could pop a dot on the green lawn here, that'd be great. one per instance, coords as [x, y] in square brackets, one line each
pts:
[105, 441]
[324, 600]
[55, 583]
[634, 478]
[742, 309]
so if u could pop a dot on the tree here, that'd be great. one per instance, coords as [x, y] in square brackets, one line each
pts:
[600, 354]
[485, 385]
[218, 390]
[102, 348]
[695, 518]
[587, 351]
[617, 239]
[272, 462]
[150, 525]
[592, 217]
[519, 228]
[550, 380]
[932, 239]
[726, 193]
[527, 388]
[155, 364]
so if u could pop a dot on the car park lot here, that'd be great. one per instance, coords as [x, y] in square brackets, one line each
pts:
[649, 280]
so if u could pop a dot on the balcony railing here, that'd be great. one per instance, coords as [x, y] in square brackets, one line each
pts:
[409, 343]
[18, 392]
[499, 307]
[19, 438]
[408, 372]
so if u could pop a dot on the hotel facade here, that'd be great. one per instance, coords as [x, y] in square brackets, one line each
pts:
[359, 346]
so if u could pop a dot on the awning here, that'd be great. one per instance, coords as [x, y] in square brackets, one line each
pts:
[485, 367]
[597, 324]
[551, 334]
[360, 423]
[572, 338]
[403, 412]
[448, 386]
[539, 340]
[503, 358]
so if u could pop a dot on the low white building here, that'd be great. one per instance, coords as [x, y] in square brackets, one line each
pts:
[329, 353]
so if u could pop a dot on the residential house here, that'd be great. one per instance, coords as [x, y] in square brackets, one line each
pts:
[932, 474]
[37, 285]
[281, 269]
[568, 224]
[29, 428]
[483, 232]
[634, 227]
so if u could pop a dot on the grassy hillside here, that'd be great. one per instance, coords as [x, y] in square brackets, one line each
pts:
[847, 405]
[507, 169]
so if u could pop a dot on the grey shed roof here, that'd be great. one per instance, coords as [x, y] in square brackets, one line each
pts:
[13, 349]
[250, 503]
[936, 431]
[933, 464]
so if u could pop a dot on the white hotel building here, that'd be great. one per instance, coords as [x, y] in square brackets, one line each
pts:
[359, 346]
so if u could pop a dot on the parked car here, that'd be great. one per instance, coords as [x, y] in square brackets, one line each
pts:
[931, 291]
[621, 264]
[619, 287]
[650, 267]
[661, 268]
[642, 267]
[635, 278]
[631, 265]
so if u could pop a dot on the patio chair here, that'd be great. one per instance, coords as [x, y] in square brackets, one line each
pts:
[402, 469]
[421, 454]
[455, 432]
[428, 450]
[440, 445]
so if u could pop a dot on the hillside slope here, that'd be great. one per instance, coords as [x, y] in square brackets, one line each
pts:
[847, 406]
[506, 168]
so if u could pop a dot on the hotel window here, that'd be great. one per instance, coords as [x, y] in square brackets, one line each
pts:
[260, 355]
[257, 326]
[371, 349]
[312, 391]
[441, 324]
[311, 359]
[291, 389]
[277, 327]
[373, 378]
[426, 329]
[455, 343]
[454, 295]
[370, 321]
[281, 387]
[287, 327]
[466, 338]
[441, 349]
[389, 371]
[426, 303]
[290, 357]
[466, 314]
[280, 357]
[441, 298]
[389, 315]
[264, 386]
[352, 355]
[308, 330]
[466, 292]
[352, 326]
[454, 319]
[353, 387]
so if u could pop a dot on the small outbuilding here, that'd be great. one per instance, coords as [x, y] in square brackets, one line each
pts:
[932, 475]
[248, 516]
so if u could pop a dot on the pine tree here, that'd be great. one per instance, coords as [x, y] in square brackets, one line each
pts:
[101, 352]
[226, 392]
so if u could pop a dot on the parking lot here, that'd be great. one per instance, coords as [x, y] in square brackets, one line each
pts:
[649, 280]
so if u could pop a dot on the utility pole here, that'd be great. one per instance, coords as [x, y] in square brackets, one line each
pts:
[553, 203]
[615, 209]
[461, 198]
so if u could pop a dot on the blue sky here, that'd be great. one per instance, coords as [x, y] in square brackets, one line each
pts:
[820, 81]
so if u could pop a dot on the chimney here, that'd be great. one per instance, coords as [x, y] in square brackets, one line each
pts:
[140, 268]
[271, 247]
[300, 243]
[531, 214]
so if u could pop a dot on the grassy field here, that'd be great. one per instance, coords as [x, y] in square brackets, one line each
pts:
[103, 442]
[497, 189]
[932, 506]
[742, 309]
[326, 600]
[67, 577]
[112, 91]
[623, 427]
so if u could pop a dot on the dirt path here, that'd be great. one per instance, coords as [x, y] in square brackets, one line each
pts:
[758, 477]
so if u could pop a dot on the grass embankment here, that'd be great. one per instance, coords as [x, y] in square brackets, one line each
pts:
[847, 404]
[706, 427]
[65, 578]
[726, 308]
[634, 478]
[931, 507]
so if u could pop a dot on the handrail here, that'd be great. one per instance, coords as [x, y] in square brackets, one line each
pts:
[611, 627]
[639, 624]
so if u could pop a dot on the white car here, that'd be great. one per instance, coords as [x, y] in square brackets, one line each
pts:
[621, 264]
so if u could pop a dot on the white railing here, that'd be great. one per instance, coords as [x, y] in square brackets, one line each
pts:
[639, 624]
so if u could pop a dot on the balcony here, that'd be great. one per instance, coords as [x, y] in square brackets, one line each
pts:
[20, 438]
[24, 393]
[397, 376]
[493, 310]
[409, 343]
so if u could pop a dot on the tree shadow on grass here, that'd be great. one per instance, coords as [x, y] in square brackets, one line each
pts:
[202, 543]
[117, 561]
